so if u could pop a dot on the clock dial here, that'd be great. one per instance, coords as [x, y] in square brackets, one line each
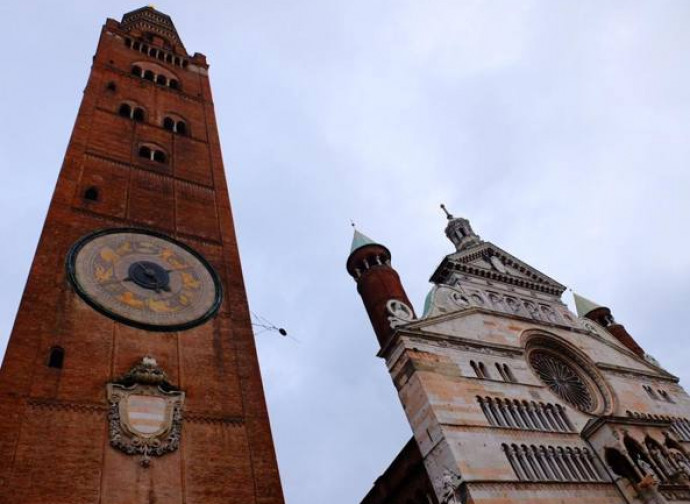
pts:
[144, 279]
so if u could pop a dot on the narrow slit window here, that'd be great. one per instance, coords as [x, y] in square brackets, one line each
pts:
[91, 194]
[56, 358]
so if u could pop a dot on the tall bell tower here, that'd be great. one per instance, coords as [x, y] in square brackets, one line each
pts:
[131, 374]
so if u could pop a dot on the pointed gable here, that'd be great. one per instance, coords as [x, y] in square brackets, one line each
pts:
[486, 260]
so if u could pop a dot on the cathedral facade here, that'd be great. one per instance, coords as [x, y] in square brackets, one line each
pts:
[131, 375]
[512, 397]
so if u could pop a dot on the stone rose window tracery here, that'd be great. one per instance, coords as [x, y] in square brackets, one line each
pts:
[563, 379]
[568, 374]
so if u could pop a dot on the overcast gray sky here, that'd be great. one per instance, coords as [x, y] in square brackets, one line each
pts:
[559, 128]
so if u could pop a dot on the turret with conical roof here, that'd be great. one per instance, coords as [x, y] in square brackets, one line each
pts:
[378, 283]
[602, 316]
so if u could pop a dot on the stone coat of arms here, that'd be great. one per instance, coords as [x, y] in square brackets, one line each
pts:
[145, 415]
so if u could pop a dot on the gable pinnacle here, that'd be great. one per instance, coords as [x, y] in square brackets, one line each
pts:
[459, 231]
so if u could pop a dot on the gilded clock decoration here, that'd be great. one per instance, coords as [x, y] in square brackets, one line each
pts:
[144, 279]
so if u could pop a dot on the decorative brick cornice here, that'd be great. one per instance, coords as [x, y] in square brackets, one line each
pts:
[53, 405]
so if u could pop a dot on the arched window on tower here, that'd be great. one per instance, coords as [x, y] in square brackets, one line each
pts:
[169, 124]
[137, 71]
[174, 84]
[125, 110]
[145, 152]
[159, 156]
[149, 75]
[181, 127]
[56, 357]
[162, 80]
[138, 114]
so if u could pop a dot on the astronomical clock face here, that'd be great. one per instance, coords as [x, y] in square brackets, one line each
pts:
[144, 279]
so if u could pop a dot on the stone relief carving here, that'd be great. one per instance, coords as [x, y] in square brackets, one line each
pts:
[145, 414]
[399, 313]
[452, 488]
[448, 299]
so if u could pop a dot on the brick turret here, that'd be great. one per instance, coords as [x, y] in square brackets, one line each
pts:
[378, 283]
[602, 316]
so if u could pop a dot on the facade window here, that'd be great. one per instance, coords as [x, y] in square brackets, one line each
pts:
[135, 113]
[509, 374]
[137, 71]
[650, 392]
[91, 194]
[138, 114]
[171, 124]
[162, 80]
[174, 84]
[501, 412]
[56, 357]
[553, 463]
[149, 75]
[152, 154]
[484, 372]
[665, 396]
[125, 110]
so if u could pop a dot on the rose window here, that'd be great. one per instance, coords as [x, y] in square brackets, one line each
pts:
[563, 380]
[569, 375]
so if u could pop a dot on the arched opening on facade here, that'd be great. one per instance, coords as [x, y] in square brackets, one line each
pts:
[620, 465]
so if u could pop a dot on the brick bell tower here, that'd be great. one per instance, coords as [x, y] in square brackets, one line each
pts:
[131, 373]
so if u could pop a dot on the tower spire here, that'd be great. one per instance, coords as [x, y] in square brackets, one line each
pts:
[460, 232]
[602, 315]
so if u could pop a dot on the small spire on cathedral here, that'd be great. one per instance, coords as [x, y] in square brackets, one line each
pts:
[449, 215]
[584, 305]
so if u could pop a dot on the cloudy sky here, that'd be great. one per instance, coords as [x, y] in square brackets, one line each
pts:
[559, 128]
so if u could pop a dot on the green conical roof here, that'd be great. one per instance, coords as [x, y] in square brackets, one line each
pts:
[584, 305]
[359, 240]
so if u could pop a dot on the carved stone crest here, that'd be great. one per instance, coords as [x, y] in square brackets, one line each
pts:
[145, 414]
[399, 313]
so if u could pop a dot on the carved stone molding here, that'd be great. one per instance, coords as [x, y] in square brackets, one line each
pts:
[145, 416]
